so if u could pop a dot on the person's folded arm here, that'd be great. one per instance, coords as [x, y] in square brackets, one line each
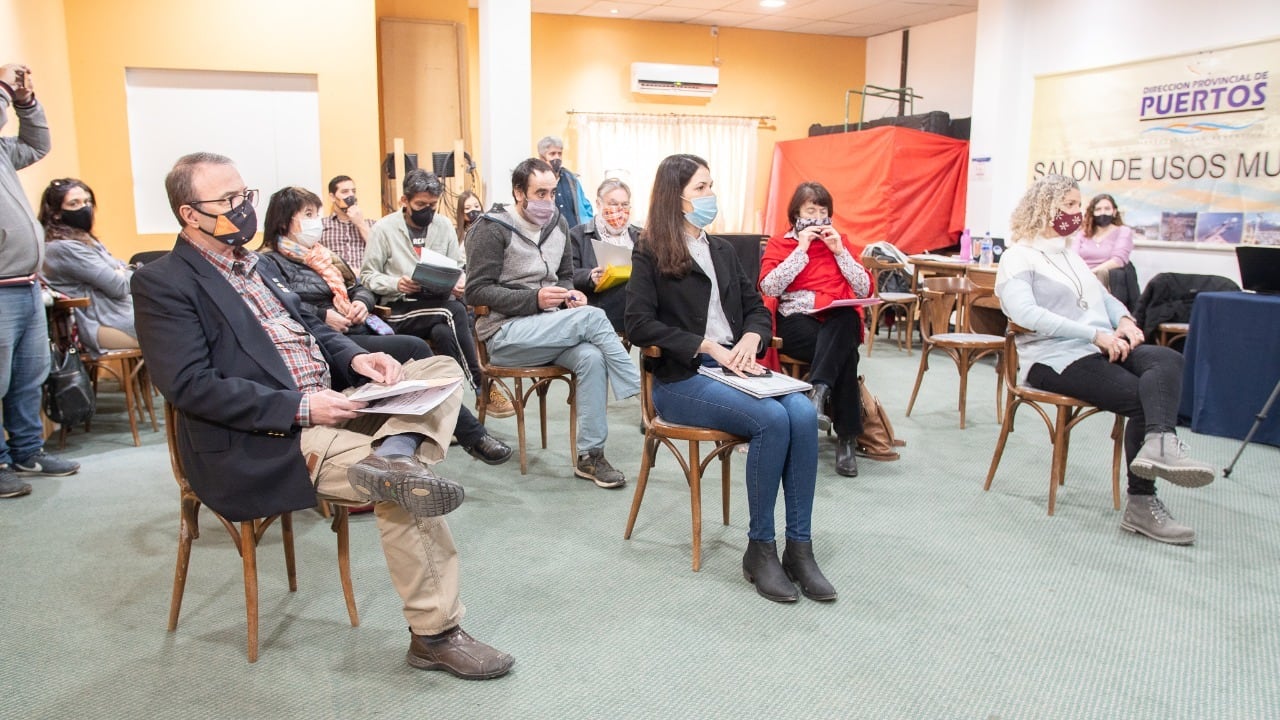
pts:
[1018, 302]
[77, 261]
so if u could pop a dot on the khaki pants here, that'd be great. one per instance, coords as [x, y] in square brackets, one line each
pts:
[421, 556]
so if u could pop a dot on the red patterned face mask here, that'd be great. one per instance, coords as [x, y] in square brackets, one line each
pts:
[616, 217]
[1065, 224]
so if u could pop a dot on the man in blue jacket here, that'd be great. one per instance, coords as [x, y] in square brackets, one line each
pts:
[572, 201]
[262, 426]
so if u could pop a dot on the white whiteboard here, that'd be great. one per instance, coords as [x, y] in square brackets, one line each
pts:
[268, 123]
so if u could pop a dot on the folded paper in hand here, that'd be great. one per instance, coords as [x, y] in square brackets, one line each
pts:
[407, 397]
[770, 385]
[616, 261]
[435, 272]
[851, 302]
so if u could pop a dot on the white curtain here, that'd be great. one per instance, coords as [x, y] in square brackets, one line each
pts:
[629, 147]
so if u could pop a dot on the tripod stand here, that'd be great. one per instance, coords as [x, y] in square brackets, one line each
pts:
[1262, 416]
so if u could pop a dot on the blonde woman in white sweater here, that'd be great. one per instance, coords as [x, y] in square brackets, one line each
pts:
[1084, 344]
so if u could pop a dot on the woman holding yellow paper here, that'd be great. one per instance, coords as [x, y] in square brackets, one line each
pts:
[611, 225]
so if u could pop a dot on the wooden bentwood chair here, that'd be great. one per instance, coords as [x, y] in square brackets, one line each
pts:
[1069, 413]
[943, 297]
[661, 432]
[905, 302]
[542, 377]
[246, 535]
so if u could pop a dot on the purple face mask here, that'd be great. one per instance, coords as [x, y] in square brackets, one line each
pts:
[539, 212]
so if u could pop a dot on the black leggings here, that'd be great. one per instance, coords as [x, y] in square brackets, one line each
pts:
[1146, 388]
[830, 346]
[446, 325]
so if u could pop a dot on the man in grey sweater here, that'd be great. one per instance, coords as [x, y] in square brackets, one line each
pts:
[521, 268]
[24, 335]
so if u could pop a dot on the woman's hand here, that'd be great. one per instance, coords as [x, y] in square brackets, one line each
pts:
[335, 320]
[357, 313]
[806, 236]
[596, 274]
[832, 240]
[1115, 347]
[741, 358]
[1129, 330]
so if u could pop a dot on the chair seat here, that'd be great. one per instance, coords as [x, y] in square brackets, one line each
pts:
[676, 431]
[538, 371]
[897, 297]
[970, 339]
[1026, 392]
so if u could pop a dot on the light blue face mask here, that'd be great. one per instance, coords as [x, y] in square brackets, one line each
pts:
[704, 210]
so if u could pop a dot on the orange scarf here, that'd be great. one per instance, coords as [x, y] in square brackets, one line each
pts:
[325, 264]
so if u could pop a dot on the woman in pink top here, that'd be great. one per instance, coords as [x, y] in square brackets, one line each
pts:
[1104, 241]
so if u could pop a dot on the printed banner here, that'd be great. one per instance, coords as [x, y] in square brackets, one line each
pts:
[1188, 145]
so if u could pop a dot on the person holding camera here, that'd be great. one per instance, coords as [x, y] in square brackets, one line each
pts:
[806, 269]
[24, 330]
[689, 295]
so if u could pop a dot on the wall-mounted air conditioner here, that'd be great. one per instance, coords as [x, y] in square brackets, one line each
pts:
[664, 79]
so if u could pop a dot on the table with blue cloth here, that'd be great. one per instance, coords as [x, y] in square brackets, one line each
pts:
[1232, 363]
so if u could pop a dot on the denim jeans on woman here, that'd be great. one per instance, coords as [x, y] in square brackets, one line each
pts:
[783, 451]
[1146, 388]
[24, 364]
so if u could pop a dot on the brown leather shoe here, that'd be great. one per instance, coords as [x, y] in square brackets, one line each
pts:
[458, 654]
[406, 482]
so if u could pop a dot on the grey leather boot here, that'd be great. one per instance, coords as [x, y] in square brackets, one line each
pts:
[1164, 455]
[1145, 514]
[760, 566]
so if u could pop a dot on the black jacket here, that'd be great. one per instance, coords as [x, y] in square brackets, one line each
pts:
[671, 312]
[314, 293]
[236, 400]
[584, 254]
[1168, 298]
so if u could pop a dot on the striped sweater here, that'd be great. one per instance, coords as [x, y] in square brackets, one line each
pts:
[1047, 288]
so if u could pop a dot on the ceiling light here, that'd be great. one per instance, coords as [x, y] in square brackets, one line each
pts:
[771, 4]
[613, 11]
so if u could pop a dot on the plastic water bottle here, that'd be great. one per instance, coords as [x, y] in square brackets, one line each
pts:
[966, 246]
[986, 257]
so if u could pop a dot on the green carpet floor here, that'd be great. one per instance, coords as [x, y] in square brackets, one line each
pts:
[954, 603]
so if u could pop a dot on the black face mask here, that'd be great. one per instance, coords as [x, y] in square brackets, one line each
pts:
[1102, 220]
[80, 218]
[348, 202]
[235, 227]
[422, 218]
[473, 215]
[556, 165]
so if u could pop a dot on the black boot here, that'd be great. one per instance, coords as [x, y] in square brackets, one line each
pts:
[818, 396]
[760, 566]
[846, 456]
[800, 566]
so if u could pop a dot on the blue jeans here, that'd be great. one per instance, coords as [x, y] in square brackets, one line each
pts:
[24, 364]
[583, 341]
[783, 451]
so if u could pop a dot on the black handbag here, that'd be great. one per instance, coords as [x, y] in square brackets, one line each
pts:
[68, 393]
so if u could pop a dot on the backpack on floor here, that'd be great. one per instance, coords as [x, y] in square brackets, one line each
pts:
[876, 440]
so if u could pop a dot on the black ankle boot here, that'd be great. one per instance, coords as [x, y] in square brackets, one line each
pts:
[760, 566]
[798, 562]
[818, 396]
[846, 456]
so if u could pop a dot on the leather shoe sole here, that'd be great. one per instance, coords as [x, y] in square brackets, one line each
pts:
[404, 481]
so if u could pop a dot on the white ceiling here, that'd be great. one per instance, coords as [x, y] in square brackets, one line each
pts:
[852, 18]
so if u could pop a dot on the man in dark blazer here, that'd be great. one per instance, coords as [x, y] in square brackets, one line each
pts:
[261, 425]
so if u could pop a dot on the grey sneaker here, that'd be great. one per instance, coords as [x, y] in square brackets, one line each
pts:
[1164, 455]
[10, 484]
[594, 467]
[1145, 514]
[42, 463]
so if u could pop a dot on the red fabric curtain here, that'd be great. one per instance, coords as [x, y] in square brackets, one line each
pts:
[889, 183]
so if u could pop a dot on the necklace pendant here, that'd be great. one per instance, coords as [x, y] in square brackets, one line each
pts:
[1084, 304]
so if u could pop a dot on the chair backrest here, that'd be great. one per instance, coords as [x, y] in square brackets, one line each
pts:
[646, 384]
[942, 297]
[171, 420]
[482, 351]
[1010, 368]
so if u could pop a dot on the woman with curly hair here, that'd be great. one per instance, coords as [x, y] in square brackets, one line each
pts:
[1084, 343]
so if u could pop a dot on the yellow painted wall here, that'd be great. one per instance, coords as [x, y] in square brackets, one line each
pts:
[33, 32]
[333, 39]
[583, 63]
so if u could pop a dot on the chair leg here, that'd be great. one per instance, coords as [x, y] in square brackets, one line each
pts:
[1117, 437]
[999, 386]
[518, 403]
[286, 533]
[642, 480]
[143, 380]
[542, 410]
[130, 402]
[1005, 428]
[924, 365]
[963, 366]
[1058, 465]
[573, 420]
[695, 502]
[343, 529]
[875, 326]
[724, 481]
[911, 318]
[248, 554]
[185, 536]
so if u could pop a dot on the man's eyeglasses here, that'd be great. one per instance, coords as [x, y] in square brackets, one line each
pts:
[618, 206]
[227, 204]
